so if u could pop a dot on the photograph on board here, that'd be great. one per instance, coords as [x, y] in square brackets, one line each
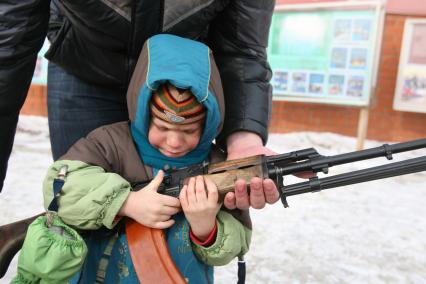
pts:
[316, 83]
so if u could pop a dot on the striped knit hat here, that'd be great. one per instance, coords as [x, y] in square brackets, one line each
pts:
[175, 105]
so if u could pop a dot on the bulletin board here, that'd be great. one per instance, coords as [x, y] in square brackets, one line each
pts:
[410, 91]
[325, 53]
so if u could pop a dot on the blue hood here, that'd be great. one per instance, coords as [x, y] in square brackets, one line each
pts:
[186, 64]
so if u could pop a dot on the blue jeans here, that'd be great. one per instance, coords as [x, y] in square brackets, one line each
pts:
[75, 108]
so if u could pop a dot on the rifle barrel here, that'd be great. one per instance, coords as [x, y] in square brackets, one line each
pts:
[322, 163]
[394, 169]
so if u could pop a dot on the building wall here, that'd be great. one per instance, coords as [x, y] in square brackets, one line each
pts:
[36, 102]
[406, 7]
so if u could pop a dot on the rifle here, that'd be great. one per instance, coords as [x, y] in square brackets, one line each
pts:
[224, 175]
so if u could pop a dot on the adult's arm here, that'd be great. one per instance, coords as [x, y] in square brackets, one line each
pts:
[238, 38]
[23, 27]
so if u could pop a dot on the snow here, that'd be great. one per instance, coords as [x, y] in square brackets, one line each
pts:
[372, 232]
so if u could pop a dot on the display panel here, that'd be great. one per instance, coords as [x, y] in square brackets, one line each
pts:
[324, 55]
[410, 92]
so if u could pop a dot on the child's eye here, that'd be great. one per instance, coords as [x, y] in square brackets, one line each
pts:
[161, 128]
[190, 131]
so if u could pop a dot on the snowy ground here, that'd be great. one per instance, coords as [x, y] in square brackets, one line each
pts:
[367, 233]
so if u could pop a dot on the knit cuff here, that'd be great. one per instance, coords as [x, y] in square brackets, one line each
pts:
[210, 239]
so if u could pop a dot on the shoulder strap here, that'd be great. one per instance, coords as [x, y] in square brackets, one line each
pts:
[150, 255]
[58, 183]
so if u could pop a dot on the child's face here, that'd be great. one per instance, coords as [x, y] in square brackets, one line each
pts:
[174, 140]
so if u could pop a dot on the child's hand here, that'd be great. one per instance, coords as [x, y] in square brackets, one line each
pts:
[200, 206]
[150, 208]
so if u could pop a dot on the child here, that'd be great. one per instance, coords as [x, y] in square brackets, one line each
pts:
[175, 104]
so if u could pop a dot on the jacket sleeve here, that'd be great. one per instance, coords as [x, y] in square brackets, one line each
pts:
[238, 38]
[23, 27]
[232, 239]
[90, 197]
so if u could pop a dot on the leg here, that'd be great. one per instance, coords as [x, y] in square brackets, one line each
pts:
[8, 128]
[75, 108]
[12, 97]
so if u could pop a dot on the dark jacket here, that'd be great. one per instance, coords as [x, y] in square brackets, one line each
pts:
[99, 41]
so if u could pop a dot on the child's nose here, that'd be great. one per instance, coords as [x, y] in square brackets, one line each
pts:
[174, 139]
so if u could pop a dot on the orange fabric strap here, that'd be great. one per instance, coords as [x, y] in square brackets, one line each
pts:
[150, 255]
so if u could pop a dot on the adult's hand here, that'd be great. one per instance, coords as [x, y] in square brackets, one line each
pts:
[245, 144]
[240, 145]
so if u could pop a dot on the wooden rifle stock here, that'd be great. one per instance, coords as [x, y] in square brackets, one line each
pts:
[223, 174]
[11, 240]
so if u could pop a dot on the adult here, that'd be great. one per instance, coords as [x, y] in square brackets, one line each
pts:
[94, 48]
